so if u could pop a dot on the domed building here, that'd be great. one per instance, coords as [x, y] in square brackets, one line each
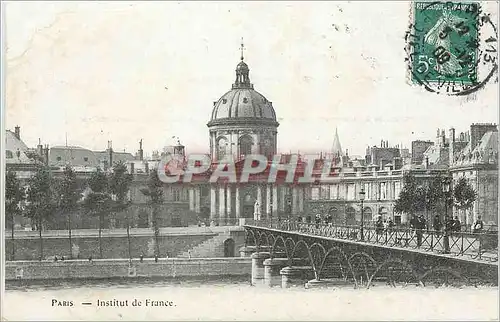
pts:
[243, 121]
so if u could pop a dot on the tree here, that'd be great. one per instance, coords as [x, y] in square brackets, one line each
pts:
[464, 194]
[41, 200]
[119, 184]
[410, 198]
[69, 195]
[98, 200]
[14, 195]
[154, 191]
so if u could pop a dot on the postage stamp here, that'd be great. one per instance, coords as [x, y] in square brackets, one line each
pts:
[451, 47]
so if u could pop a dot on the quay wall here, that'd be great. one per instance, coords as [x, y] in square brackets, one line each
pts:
[116, 268]
[114, 244]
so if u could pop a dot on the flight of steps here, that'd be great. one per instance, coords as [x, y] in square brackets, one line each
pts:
[213, 247]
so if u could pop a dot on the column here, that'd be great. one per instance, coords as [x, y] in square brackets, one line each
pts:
[259, 200]
[275, 200]
[237, 203]
[294, 200]
[213, 203]
[191, 198]
[222, 203]
[228, 202]
[197, 200]
[283, 197]
[268, 201]
[301, 199]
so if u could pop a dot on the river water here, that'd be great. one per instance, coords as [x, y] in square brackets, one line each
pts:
[234, 299]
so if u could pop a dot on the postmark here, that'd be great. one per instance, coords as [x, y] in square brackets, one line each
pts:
[451, 47]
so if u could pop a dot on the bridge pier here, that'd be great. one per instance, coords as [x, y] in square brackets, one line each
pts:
[272, 267]
[258, 267]
[247, 251]
[294, 275]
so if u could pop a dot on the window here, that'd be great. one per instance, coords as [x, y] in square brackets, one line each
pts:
[176, 195]
[86, 159]
[383, 190]
[367, 187]
[221, 148]
[334, 191]
[9, 154]
[246, 145]
[58, 158]
[351, 191]
[315, 193]
[397, 189]
[325, 192]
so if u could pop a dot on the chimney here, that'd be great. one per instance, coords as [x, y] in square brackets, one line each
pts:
[46, 154]
[451, 147]
[452, 135]
[110, 151]
[17, 132]
[141, 152]
[39, 147]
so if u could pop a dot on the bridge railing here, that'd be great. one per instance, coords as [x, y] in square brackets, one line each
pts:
[482, 246]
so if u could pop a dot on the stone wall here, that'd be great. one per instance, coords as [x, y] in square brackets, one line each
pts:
[112, 247]
[109, 268]
[173, 242]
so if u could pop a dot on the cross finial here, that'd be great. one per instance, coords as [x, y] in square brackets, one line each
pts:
[242, 48]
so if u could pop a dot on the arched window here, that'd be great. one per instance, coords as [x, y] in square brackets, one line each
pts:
[335, 215]
[221, 148]
[9, 154]
[245, 145]
[350, 216]
[367, 214]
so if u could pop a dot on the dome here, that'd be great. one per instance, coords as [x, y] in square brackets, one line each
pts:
[242, 66]
[244, 104]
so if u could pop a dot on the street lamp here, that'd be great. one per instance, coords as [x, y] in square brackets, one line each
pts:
[446, 237]
[362, 198]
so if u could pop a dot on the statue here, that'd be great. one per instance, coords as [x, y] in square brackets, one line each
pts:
[256, 210]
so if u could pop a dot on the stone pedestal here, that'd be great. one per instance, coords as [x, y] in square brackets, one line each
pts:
[272, 268]
[328, 282]
[258, 267]
[295, 275]
[247, 251]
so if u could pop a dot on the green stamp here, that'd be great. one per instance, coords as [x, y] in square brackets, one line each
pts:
[445, 47]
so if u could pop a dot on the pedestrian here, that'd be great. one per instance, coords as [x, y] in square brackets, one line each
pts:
[390, 224]
[379, 226]
[419, 229]
[478, 226]
[437, 225]
[457, 226]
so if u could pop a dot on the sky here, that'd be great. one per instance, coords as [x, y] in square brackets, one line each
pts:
[89, 72]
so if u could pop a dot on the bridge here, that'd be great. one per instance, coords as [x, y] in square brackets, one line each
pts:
[320, 254]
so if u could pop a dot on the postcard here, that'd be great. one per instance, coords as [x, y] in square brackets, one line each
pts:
[250, 160]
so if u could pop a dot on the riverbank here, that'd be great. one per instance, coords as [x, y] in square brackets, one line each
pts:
[123, 268]
[236, 300]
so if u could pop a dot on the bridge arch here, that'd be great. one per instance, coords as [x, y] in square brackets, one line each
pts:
[277, 243]
[308, 257]
[391, 281]
[343, 259]
[444, 273]
[359, 260]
